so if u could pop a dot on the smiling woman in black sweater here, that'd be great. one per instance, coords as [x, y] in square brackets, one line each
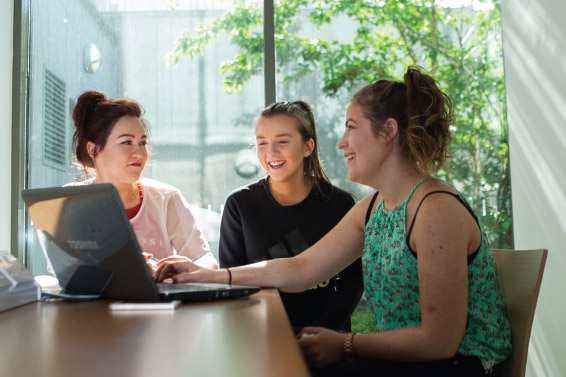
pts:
[284, 213]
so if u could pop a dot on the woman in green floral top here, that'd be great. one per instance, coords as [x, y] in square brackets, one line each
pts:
[429, 273]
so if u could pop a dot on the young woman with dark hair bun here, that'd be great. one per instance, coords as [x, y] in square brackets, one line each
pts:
[290, 209]
[429, 273]
[110, 143]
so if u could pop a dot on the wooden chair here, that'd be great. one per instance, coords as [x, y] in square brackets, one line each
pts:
[520, 272]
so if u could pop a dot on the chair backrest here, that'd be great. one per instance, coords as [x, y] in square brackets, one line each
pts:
[520, 272]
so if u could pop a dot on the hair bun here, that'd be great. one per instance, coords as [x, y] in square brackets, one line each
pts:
[85, 107]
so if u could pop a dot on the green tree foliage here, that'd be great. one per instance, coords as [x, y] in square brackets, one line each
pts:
[460, 47]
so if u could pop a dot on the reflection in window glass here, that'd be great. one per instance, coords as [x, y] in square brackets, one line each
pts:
[201, 136]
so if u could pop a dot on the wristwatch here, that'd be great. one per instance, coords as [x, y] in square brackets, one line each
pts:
[349, 351]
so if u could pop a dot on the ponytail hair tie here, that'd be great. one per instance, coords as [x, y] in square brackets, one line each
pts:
[229, 276]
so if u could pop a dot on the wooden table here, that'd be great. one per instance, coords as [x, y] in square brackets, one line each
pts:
[238, 337]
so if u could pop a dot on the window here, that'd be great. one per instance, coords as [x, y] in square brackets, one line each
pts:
[200, 135]
[326, 50]
[329, 49]
[197, 67]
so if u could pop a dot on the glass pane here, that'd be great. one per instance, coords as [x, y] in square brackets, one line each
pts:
[198, 131]
[300, 45]
[328, 49]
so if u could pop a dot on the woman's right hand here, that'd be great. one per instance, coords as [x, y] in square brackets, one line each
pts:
[172, 268]
[186, 271]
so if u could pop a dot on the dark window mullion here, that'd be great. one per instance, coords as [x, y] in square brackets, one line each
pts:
[269, 51]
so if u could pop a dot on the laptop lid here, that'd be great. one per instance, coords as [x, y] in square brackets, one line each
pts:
[85, 234]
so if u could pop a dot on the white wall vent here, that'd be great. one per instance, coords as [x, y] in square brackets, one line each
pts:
[54, 141]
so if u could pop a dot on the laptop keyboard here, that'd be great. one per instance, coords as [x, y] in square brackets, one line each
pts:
[185, 287]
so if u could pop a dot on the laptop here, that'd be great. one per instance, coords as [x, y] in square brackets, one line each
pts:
[86, 236]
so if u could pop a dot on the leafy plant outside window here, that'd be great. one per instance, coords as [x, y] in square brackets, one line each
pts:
[460, 47]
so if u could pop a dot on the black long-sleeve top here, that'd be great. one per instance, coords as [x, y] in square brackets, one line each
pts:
[256, 227]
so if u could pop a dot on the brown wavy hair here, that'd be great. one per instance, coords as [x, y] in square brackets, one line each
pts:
[302, 113]
[422, 110]
[95, 115]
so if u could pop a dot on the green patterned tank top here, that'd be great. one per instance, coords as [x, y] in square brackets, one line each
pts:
[392, 286]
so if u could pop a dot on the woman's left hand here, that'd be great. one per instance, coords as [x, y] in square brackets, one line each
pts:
[321, 346]
[207, 260]
[173, 258]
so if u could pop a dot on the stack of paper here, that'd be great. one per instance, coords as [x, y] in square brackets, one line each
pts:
[17, 286]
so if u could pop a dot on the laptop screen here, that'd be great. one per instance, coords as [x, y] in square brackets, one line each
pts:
[86, 236]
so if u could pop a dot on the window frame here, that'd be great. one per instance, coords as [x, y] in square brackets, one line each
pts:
[20, 126]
